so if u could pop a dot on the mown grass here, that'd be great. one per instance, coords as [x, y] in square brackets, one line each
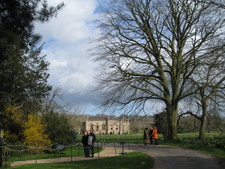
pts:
[128, 138]
[133, 160]
[138, 138]
[196, 134]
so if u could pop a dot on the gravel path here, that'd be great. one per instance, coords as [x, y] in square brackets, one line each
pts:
[108, 151]
[171, 157]
[165, 157]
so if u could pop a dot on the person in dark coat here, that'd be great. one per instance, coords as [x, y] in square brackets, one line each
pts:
[84, 140]
[91, 142]
[150, 135]
[146, 136]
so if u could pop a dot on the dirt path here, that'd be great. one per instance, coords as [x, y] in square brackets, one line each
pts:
[165, 157]
[108, 151]
[170, 157]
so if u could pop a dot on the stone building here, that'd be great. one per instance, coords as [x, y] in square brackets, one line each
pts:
[107, 125]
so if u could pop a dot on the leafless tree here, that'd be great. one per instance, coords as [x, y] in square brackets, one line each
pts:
[149, 49]
[209, 78]
[77, 118]
[217, 3]
[50, 102]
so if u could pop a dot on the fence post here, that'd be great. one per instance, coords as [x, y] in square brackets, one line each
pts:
[128, 146]
[1, 149]
[115, 148]
[98, 150]
[71, 150]
[36, 156]
[78, 149]
[1, 152]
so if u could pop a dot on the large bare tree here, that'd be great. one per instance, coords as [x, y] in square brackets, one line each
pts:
[149, 49]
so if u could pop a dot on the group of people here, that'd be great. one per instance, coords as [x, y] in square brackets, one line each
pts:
[88, 140]
[151, 136]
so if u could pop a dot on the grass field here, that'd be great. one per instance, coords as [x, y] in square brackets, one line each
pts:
[129, 138]
[127, 161]
[138, 138]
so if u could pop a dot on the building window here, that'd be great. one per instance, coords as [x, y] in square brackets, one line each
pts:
[103, 127]
[92, 126]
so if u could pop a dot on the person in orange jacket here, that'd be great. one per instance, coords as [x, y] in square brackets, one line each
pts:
[155, 135]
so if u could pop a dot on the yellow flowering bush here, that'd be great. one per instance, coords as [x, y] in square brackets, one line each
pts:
[15, 113]
[34, 133]
[13, 121]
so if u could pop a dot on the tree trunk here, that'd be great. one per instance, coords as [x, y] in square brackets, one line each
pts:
[203, 120]
[202, 127]
[172, 122]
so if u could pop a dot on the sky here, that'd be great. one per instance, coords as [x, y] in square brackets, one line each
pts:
[67, 43]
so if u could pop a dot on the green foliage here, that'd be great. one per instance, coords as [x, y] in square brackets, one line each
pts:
[14, 120]
[34, 133]
[58, 128]
[220, 143]
[23, 72]
[134, 160]
[161, 122]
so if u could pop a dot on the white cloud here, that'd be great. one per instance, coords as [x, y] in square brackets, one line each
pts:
[70, 25]
[71, 69]
[66, 40]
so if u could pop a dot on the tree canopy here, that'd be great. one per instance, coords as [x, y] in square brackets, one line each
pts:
[23, 71]
[150, 49]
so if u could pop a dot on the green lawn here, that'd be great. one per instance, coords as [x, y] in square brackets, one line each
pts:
[138, 138]
[196, 134]
[129, 138]
[134, 160]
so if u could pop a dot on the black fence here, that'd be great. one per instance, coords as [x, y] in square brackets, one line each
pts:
[12, 153]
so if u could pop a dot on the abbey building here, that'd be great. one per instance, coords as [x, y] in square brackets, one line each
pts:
[107, 125]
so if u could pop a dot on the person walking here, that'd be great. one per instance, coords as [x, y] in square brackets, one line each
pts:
[150, 136]
[146, 136]
[84, 140]
[91, 142]
[155, 135]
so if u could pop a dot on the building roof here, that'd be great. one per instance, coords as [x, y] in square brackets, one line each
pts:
[97, 118]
